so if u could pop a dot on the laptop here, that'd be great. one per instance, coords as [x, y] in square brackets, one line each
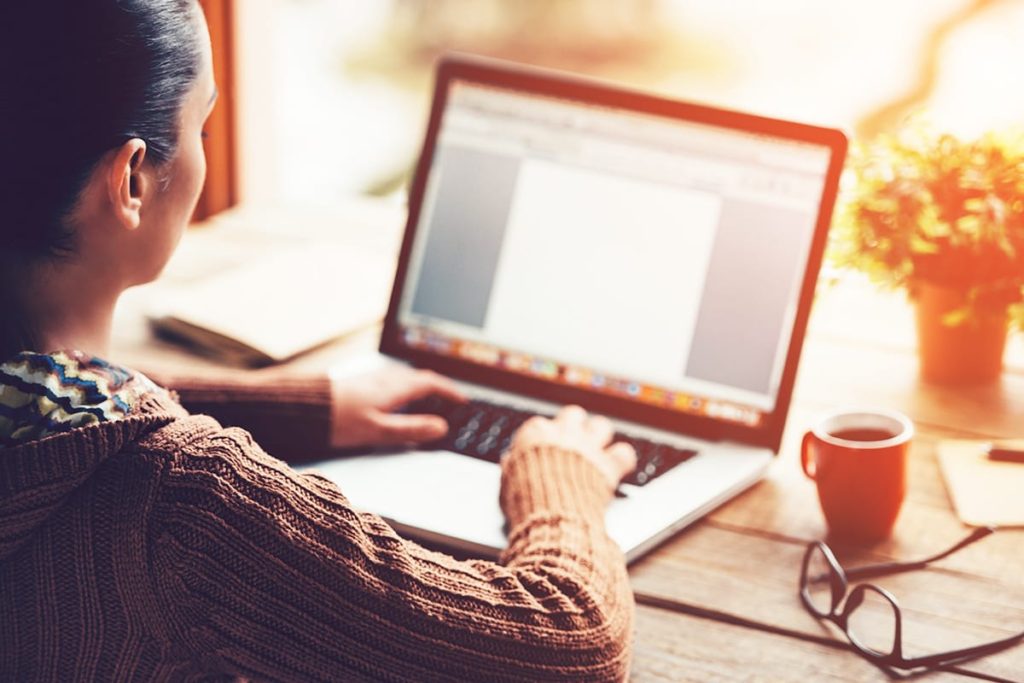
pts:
[572, 241]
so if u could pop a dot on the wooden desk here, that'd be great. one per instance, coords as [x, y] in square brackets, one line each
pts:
[719, 600]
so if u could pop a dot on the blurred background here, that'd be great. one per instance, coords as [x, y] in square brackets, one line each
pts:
[334, 94]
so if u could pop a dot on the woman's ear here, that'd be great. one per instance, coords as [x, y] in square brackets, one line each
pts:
[127, 185]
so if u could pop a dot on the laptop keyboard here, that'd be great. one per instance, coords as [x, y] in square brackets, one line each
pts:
[483, 429]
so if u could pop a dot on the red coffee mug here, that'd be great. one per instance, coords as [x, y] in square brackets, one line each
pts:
[858, 459]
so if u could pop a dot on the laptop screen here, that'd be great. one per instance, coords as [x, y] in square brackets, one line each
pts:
[652, 259]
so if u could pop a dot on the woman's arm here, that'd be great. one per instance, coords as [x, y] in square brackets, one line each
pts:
[268, 573]
[290, 416]
[303, 418]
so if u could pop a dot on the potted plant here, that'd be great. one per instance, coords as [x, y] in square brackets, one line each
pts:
[942, 218]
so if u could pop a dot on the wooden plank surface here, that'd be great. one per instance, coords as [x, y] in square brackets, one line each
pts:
[744, 576]
[675, 648]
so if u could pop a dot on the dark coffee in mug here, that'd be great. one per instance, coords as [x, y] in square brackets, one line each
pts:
[863, 434]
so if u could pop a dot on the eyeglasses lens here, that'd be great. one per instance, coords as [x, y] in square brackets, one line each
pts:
[872, 623]
[819, 581]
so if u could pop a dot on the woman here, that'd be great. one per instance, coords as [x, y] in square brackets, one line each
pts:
[139, 541]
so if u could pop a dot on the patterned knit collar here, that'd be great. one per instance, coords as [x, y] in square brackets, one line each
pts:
[41, 394]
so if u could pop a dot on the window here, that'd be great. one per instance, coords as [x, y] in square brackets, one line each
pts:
[334, 93]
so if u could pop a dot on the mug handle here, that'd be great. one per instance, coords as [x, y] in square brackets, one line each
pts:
[805, 456]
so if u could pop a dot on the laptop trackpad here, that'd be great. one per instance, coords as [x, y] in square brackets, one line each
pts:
[448, 493]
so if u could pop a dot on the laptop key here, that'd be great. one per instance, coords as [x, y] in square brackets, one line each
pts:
[484, 430]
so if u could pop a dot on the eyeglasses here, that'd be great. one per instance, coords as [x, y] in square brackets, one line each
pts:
[871, 617]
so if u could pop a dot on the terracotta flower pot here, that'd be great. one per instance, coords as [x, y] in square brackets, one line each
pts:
[967, 353]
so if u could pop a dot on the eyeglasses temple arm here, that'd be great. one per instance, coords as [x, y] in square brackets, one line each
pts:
[872, 570]
[955, 656]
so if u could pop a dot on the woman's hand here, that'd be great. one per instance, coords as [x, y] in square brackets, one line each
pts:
[575, 430]
[361, 407]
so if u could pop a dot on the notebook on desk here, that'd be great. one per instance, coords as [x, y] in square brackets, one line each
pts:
[569, 241]
[280, 305]
[984, 492]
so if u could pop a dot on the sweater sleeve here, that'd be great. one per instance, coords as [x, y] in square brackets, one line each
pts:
[268, 573]
[288, 416]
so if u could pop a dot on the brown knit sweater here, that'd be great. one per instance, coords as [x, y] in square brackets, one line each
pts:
[165, 546]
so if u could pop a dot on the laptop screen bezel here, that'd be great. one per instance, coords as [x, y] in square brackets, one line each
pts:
[534, 80]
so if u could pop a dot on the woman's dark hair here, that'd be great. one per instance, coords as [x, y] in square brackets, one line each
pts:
[77, 79]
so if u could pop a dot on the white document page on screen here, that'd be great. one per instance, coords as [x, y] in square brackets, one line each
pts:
[602, 270]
